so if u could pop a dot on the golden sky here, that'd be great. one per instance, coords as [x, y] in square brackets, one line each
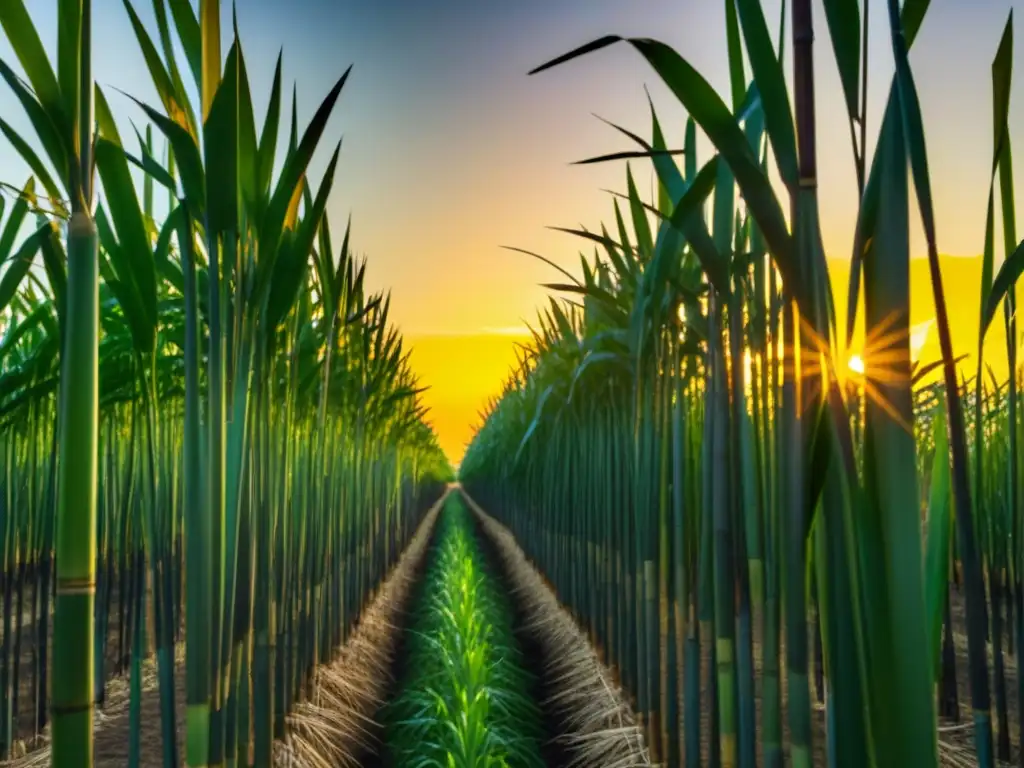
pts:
[465, 370]
[961, 279]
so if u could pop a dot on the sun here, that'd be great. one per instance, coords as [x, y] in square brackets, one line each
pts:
[856, 364]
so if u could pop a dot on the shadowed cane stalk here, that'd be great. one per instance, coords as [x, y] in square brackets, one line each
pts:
[796, 392]
[72, 693]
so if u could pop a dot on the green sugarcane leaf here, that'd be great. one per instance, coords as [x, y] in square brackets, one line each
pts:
[110, 281]
[1001, 70]
[293, 134]
[186, 156]
[901, 733]
[248, 149]
[344, 263]
[170, 57]
[843, 19]
[125, 287]
[1007, 204]
[268, 136]
[707, 109]
[15, 334]
[164, 267]
[534, 423]
[14, 222]
[687, 219]
[19, 265]
[209, 30]
[866, 220]
[642, 228]
[911, 18]
[189, 34]
[938, 539]
[288, 186]
[134, 263]
[54, 261]
[291, 274]
[147, 181]
[1002, 67]
[734, 46]
[659, 143]
[603, 239]
[771, 86]
[628, 267]
[923, 706]
[69, 29]
[24, 39]
[107, 127]
[691, 148]
[148, 165]
[622, 265]
[46, 127]
[162, 81]
[1007, 276]
[220, 145]
[631, 155]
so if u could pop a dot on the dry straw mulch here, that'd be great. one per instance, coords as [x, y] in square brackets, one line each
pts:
[599, 727]
[336, 726]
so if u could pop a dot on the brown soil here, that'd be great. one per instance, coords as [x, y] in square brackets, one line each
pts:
[26, 738]
[959, 736]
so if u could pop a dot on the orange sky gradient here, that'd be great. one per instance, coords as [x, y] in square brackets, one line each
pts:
[465, 371]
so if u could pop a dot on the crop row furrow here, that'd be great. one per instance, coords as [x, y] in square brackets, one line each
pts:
[466, 698]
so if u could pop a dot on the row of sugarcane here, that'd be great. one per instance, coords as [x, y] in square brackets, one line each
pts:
[466, 698]
[375, 529]
[740, 522]
[209, 427]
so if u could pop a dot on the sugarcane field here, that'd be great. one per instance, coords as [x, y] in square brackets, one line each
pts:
[587, 384]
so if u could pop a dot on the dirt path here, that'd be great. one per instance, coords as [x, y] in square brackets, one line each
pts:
[595, 723]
